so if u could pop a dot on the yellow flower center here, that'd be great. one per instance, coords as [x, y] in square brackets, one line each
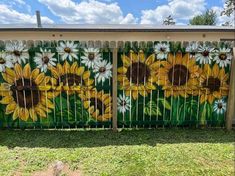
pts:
[25, 93]
[138, 73]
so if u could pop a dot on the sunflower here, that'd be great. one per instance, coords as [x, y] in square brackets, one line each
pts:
[98, 104]
[25, 93]
[137, 74]
[178, 75]
[70, 78]
[213, 83]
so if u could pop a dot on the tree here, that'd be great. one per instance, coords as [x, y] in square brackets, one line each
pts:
[229, 8]
[208, 18]
[169, 21]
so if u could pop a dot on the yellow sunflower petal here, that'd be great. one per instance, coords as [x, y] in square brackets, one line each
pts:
[35, 73]
[207, 70]
[86, 104]
[91, 109]
[54, 72]
[135, 94]
[16, 113]
[171, 58]
[86, 75]
[141, 56]
[134, 57]
[73, 67]
[150, 60]
[7, 99]
[107, 116]
[27, 71]
[10, 108]
[126, 61]
[8, 78]
[40, 78]
[33, 114]
[66, 67]
[40, 112]
[10, 72]
[215, 70]
[18, 70]
[80, 70]
[23, 114]
[122, 70]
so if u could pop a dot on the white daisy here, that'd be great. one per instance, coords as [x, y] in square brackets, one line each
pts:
[91, 57]
[162, 50]
[204, 55]
[223, 57]
[103, 71]
[192, 48]
[5, 62]
[123, 103]
[17, 52]
[219, 106]
[67, 50]
[44, 59]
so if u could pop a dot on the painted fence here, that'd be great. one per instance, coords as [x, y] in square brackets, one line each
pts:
[68, 84]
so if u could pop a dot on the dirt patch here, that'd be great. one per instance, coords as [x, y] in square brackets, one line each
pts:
[57, 169]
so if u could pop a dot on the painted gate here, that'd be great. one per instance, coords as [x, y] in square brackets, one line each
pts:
[69, 84]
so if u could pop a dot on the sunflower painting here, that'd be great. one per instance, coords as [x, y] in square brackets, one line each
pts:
[137, 74]
[24, 93]
[179, 75]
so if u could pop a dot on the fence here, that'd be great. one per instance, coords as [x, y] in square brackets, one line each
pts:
[75, 84]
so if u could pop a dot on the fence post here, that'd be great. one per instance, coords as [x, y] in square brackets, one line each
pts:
[114, 90]
[231, 97]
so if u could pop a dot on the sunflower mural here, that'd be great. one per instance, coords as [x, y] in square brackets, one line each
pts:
[24, 93]
[137, 74]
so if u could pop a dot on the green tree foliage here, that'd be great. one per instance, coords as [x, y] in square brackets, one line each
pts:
[229, 8]
[208, 18]
[169, 21]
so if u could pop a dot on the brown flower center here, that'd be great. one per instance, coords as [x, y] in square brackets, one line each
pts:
[205, 53]
[220, 105]
[178, 75]
[25, 93]
[162, 49]
[213, 84]
[98, 104]
[102, 69]
[222, 56]
[2, 61]
[138, 73]
[16, 53]
[45, 59]
[67, 50]
[91, 56]
[71, 79]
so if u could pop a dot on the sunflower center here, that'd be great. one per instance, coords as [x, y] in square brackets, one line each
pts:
[138, 73]
[205, 53]
[45, 59]
[222, 56]
[178, 75]
[67, 50]
[2, 61]
[71, 79]
[220, 105]
[16, 53]
[162, 49]
[102, 69]
[98, 104]
[25, 93]
[213, 84]
[91, 56]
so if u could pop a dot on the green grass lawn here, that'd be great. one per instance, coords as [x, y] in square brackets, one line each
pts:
[137, 152]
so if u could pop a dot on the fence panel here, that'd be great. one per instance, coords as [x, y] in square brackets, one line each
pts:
[173, 83]
[55, 84]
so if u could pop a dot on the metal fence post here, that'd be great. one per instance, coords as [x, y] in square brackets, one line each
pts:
[114, 89]
[231, 98]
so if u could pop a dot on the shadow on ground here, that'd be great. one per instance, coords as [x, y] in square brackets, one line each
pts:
[96, 138]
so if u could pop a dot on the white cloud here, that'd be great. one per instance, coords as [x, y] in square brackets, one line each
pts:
[181, 10]
[88, 12]
[224, 18]
[11, 16]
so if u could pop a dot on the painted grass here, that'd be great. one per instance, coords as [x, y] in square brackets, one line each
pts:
[127, 153]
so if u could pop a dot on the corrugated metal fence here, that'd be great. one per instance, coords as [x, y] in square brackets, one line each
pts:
[68, 84]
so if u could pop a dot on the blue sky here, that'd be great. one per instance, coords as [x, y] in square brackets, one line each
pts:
[106, 11]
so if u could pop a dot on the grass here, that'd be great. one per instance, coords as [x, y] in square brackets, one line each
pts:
[127, 153]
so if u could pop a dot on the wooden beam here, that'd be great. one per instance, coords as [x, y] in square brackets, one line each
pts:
[114, 90]
[231, 97]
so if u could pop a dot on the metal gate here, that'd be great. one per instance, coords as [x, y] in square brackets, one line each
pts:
[68, 84]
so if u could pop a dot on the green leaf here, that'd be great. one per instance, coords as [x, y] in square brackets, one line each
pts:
[165, 103]
[151, 108]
